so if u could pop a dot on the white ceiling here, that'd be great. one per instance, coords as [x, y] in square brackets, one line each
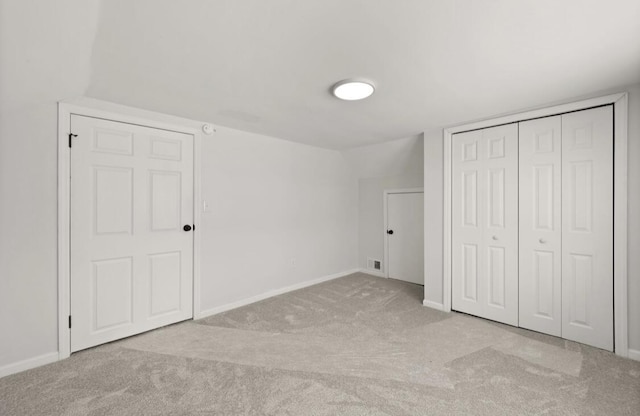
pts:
[266, 66]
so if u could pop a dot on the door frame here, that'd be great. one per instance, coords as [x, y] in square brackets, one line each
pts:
[83, 106]
[385, 196]
[620, 139]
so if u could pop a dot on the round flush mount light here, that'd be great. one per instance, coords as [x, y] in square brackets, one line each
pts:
[353, 89]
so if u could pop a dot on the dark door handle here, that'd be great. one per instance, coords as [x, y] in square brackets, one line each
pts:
[389, 231]
[187, 227]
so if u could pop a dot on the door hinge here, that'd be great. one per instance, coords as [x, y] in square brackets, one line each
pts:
[71, 136]
[69, 321]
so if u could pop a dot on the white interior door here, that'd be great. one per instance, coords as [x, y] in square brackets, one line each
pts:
[587, 227]
[540, 225]
[131, 259]
[485, 223]
[405, 236]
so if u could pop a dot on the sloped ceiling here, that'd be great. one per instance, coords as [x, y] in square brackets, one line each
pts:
[266, 66]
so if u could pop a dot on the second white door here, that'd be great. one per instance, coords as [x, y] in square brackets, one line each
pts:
[131, 230]
[405, 236]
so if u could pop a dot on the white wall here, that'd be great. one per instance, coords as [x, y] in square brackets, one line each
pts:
[281, 214]
[433, 148]
[391, 165]
[45, 50]
[433, 216]
[634, 220]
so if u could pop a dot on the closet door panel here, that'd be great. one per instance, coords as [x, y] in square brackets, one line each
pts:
[467, 227]
[587, 227]
[484, 226]
[500, 236]
[540, 286]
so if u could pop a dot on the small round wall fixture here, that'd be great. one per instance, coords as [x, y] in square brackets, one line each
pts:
[353, 89]
[208, 129]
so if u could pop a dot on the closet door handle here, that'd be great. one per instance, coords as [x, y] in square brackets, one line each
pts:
[543, 241]
[495, 238]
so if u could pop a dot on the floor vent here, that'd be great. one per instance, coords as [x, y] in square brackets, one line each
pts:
[374, 264]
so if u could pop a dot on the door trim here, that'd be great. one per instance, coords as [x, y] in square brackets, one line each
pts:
[385, 195]
[115, 112]
[620, 139]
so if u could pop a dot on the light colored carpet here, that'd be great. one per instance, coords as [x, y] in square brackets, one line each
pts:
[357, 345]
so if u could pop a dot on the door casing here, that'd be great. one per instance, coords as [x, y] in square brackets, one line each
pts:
[119, 113]
[620, 140]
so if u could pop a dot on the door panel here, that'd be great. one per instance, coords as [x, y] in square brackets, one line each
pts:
[540, 229]
[470, 198]
[165, 282]
[497, 277]
[166, 194]
[112, 200]
[587, 227]
[581, 185]
[466, 226]
[485, 218]
[470, 272]
[112, 293]
[496, 198]
[405, 216]
[500, 220]
[545, 279]
[131, 262]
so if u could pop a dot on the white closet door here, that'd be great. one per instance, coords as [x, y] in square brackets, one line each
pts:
[467, 232]
[540, 225]
[485, 223]
[131, 259]
[587, 227]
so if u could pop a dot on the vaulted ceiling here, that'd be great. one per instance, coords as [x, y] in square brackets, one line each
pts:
[267, 66]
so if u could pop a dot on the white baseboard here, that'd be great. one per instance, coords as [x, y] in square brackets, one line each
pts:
[372, 272]
[28, 364]
[634, 354]
[433, 305]
[269, 294]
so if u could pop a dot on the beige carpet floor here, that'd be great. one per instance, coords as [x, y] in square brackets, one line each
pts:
[357, 345]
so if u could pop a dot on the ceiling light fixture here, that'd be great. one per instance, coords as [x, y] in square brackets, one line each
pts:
[353, 89]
